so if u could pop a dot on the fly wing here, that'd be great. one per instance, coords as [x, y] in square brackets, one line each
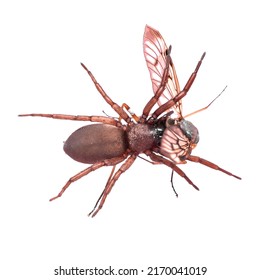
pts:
[175, 145]
[155, 53]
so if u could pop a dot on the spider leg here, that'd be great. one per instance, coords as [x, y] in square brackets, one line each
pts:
[93, 167]
[109, 178]
[173, 166]
[102, 119]
[114, 105]
[211, 165]
[169, 104]
[148, 107]
[126, 165]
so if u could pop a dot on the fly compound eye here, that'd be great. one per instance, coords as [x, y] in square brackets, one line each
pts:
[190, 131]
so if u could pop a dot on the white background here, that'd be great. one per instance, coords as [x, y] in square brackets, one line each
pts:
[142, 224]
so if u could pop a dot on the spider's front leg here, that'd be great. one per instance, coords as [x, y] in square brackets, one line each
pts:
[148, 107]
[170, 164]
[210, 165]
[171, 103]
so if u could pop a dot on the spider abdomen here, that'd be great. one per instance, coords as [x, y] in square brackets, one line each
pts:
[96, 142]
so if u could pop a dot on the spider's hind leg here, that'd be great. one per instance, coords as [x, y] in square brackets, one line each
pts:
[93, 167]
[110, 183]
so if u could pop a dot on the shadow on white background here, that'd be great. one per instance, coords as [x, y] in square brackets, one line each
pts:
[142, 224]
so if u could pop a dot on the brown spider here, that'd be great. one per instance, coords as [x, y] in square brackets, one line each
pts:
[163, 135]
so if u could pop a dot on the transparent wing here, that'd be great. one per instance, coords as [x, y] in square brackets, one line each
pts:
[175, 145]
[155, 50]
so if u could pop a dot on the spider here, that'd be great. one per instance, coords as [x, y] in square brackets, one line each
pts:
[162, 134]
